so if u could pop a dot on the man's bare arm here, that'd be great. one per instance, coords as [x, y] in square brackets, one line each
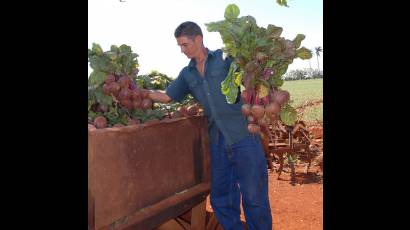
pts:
[159, 96]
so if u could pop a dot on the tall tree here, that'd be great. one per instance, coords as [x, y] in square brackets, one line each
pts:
[318, 50]
[282, 2]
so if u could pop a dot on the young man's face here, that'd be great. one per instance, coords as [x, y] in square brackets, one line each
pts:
[190, 47]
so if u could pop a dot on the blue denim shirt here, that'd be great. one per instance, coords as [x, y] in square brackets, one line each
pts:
[221, 116]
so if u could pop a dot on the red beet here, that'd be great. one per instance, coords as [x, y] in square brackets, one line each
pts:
[115, 88]
[136, 94]
[246, 109]
[124, 82]
[107, 88]
[127, 103]
[257, 111]
[144, 93]
[125, 94]
[100, 122]
[110, 78]
[136, 104]
[281, 97]
[146, 104]
[272, 108]
[253, 128]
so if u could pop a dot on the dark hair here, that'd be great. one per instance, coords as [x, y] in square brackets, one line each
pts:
[189, 29]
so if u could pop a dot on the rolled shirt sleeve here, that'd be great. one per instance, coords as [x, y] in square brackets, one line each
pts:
[178, 88]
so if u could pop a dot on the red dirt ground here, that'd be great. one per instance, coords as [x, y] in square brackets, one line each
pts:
[298, 207]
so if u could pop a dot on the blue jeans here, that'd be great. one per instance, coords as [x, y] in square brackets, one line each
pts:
[240, 169]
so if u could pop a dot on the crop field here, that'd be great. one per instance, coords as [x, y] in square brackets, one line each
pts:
[302, 91]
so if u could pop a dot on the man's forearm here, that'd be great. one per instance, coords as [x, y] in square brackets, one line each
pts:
[159, 96]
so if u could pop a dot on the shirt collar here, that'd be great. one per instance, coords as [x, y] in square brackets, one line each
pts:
[193, 62]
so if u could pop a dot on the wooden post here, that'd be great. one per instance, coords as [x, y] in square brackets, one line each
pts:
[212, 223]
[198, 216]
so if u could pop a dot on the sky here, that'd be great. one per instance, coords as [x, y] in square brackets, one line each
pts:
[148, 27]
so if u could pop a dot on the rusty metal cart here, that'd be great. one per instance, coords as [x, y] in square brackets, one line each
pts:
[144, 175]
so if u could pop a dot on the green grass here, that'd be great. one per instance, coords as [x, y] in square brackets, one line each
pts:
[302, 90]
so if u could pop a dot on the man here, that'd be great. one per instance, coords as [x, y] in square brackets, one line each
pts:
[238, 165]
